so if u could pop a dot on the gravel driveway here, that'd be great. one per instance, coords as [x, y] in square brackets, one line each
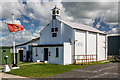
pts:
[109, 70]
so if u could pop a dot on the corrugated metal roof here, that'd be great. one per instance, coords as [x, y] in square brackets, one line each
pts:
[80, 26]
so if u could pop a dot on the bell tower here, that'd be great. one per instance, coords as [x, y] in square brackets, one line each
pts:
[55, 12]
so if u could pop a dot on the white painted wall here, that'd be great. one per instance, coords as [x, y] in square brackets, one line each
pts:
[106, 43]
[67, 54]
[80, 42]
[91, 43]
[101, 55]
[34, 57]
[63, 35]
[41, 51]
[25, 48]
[52, 58]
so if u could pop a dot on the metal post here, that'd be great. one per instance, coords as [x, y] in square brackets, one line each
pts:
[14, 51]
[14, 61]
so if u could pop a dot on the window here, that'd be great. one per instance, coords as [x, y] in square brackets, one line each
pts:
[36, 52]
[52, 29]
[57, 52]
[57, 11]
[49, 53]
[56, 29]
[54, 34]
[53, 12]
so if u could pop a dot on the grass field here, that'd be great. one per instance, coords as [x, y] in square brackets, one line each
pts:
[42, 70]
[46, 70]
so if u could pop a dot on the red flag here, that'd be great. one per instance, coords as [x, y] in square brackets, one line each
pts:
[15, 27]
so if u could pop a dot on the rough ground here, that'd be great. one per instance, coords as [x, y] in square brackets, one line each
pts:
[109, 70]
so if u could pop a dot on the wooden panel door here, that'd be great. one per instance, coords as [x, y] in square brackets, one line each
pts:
[45, 54]
[21, 55]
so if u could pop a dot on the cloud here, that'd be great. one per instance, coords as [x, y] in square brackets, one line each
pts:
[108, 11]
[90, 0]
[9, 8]
[3, 28]
[19, 37]
[42, 11]
[98, 25]
[114, 31]
[25, 21]
[36, 10]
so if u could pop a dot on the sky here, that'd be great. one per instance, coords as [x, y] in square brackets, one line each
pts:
[34, 15]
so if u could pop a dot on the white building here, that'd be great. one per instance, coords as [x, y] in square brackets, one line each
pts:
[62, 42]
[25, 49]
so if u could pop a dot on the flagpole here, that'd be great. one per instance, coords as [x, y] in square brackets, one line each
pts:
[14, 51]
[14, 60]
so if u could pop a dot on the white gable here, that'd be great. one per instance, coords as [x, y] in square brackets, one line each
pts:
[64, 33]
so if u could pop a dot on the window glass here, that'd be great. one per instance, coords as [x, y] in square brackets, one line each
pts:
[52, 29]
[56, 29]
[54, 34]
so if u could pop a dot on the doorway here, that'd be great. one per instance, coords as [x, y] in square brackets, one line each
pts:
[45, 54]
[21, 55]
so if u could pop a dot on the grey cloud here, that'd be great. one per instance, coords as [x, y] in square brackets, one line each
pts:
[92, 10]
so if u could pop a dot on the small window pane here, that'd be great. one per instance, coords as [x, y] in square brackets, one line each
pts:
[52, 29]
[53, 12]
[56, 29]
[57, 11]
[54, 34]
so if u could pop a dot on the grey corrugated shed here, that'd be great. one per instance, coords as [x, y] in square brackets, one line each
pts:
[75, 25]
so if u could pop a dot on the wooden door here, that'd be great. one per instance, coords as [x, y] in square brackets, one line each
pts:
[21, 55]
[45, 54]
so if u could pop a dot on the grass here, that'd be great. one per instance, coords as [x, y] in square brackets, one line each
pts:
[100, 62]
[24, 63]
[1, 69]
[42, 70]
[97, 63]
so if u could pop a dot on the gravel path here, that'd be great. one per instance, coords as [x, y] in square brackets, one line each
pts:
[109, 70]
[4, 75]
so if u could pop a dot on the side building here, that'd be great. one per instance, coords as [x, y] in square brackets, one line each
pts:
[6, 51]
[25, 49]
[113, 44]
